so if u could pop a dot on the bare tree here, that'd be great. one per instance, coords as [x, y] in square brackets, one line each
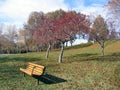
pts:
[99, 32]
[11, 36]
[114, 7]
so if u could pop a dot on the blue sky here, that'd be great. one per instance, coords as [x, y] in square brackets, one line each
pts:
[72, 3]
[16, 12]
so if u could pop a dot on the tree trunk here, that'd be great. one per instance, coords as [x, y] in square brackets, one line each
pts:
[17, 49]
[48, 50]
[8, 51]
[102, 48]
[61, 53]
[66, 44]
[27, 48]
[37, 48]
[71, 42]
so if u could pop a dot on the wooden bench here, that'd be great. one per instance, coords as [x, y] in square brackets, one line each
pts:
[33, 70]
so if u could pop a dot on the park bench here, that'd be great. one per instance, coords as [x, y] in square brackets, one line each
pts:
[33, 70]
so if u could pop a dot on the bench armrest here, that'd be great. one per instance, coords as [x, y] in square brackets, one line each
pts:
[32, 70]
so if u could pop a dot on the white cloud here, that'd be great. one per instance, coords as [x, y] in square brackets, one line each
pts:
[19, 10]
[94, 8]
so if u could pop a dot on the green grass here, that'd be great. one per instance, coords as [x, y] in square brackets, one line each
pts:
[82, 69]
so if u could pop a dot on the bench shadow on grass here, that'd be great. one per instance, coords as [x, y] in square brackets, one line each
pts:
[49, 79]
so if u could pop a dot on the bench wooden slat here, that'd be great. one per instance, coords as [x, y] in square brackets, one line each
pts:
[26, 71]
[33, 64]
[33, 69]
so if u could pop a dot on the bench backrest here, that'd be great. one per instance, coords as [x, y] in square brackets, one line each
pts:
[36, 69]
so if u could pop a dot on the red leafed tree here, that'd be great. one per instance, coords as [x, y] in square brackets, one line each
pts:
[47, 34]
[43, 33]
[58, 26]
[35, 20]
[66, 28]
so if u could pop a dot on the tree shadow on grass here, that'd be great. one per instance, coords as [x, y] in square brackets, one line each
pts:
[49, 79]
[115, 54]
[15, 59]
[84, 55]
[117, 76]
[95, 57]
[103, 59]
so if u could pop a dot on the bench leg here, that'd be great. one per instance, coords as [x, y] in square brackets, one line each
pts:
[24, 74]
[37, 81]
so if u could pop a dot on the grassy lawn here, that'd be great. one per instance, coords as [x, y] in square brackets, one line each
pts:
[82, 69]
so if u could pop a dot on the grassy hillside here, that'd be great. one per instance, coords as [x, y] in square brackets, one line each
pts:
[83, 68]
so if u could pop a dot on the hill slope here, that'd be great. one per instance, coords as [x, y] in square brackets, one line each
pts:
[110, 48]
[82, 69]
